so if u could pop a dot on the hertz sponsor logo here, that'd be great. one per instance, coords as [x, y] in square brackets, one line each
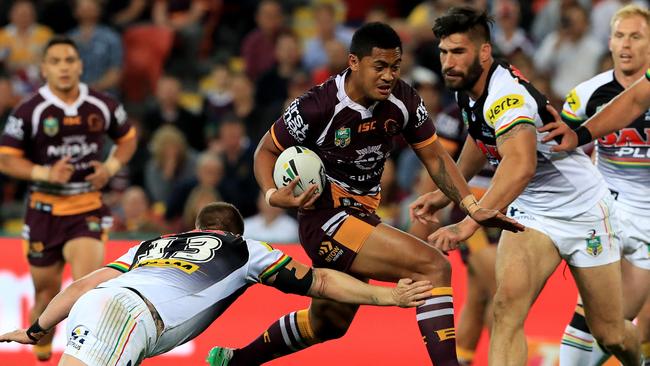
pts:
[573, 100]
[498, 108]
[184, 266]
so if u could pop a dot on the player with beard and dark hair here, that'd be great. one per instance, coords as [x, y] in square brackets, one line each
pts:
[561, 198]
[350, 122]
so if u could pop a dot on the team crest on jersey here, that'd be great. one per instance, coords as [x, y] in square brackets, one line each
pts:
[79, 336]
[391, 127]
[594, 245]
[95, 123]
[51, 126]
[342, 137]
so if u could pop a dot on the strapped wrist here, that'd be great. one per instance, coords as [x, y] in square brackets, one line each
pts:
[35, 332]
[584, 135]
[41, 173]
[269, 193]
[112, 165]
[469, 204]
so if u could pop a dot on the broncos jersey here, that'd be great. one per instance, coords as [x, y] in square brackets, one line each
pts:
[353, 141]
[622, 157]
[564, 184]
[191, 278]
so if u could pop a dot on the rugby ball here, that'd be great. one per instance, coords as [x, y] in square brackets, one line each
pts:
[299, 161]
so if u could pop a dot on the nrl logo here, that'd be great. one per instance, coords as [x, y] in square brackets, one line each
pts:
[342, 137]
[594, 245]
[51, 126]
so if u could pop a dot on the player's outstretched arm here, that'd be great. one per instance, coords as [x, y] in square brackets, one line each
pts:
[300, 279]
[617, 114]
[59, 307]
[470, 163]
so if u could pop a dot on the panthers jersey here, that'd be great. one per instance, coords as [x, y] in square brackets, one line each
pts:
[564, 184]
[622, 157]
[353, 141]
[192, 278]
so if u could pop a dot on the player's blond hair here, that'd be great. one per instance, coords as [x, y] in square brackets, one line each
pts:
[629, 11]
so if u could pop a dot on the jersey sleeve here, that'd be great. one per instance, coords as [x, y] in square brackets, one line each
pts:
[574, 110]
[505, 111]
[419, 130]
[264, 261]
[119, 128]
[647, 74]
[298, 122]
[16, 133]
[124, 262]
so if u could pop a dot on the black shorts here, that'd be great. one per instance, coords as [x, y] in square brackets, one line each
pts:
[45, 234]
[332, 237]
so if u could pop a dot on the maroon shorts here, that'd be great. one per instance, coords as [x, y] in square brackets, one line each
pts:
[333, 237]
[45, 234]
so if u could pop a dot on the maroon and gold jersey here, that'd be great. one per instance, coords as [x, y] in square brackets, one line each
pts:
[44, 129]
[353, 141]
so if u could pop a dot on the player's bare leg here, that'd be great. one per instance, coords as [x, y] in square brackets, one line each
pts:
[476, 312]
[643, 326]
[386, 255]
[47, 283]
[524, 262]
[67, 360]
[602, 297]
[84, 255]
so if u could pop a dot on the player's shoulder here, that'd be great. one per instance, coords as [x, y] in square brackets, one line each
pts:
[585, 89]
[105, 98]
[27, 105]
[506, 94]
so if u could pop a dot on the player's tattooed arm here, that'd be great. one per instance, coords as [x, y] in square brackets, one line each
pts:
[518, 150]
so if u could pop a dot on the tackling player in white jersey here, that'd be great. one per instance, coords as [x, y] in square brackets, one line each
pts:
[128, 310]
[560, 198]
[623, 158]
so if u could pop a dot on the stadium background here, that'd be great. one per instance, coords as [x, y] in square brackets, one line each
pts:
[203, 79]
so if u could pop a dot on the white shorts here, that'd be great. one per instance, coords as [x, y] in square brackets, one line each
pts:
[586, 240]
[110, 326]
[635, 235]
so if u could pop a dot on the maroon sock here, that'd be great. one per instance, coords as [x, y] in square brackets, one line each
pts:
[291, 333]
[436, 322]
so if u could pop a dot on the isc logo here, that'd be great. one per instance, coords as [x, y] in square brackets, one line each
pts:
[366, 126]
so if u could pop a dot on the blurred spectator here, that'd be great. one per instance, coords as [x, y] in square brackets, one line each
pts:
[272, 85]
[391, 195]
[337, 61]
[123, 13]
[271, 224]
[411, 72]
[570, 54]
[327, 28]
[209, 172]
[135, 214]
[171, 162]
[100, 48]
[21, 44]
[168, 110]
[523, 63]
[8, 100]
[548, 19]
[238, 185]
[377, 13]
[602, 13]
[199, 197]
[258, 47]
[508, 37]
[187, 18]
[216, 87]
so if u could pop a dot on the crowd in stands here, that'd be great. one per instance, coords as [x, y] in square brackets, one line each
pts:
[203, 80]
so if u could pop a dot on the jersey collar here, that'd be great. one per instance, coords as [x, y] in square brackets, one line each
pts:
[68, 109]
[344, 99]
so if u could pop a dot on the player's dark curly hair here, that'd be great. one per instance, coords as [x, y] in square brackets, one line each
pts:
[59, 39]
[220, 216]
[464, 20]
[372, 35]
